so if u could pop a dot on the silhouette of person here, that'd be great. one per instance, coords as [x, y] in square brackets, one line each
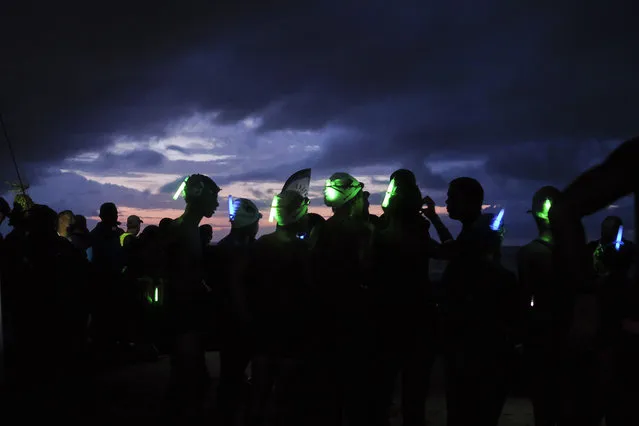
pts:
[590, 192]
[405, 308]
[471, 283]
[133, 227]
[539, 295]
[232, 254]
[479, 310]
[187, 297]
[608, 256]
[278, 288]
[341, 256]
[66, 220]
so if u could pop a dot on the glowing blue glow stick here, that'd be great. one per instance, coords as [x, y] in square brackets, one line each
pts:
[497, 221]
[619, 240]
[232, 209]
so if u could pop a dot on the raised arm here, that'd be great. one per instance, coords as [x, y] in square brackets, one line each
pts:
[595, 189]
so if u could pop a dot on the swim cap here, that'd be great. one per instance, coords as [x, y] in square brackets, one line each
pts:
[340, 188]
[193, 186]
[542, 201]
[403, 177]
[288, 207]
[242, 212]
[402, 194]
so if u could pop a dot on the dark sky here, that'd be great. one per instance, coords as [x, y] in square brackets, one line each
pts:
[117, 102]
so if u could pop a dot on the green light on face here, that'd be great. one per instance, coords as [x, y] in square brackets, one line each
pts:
[330, 193]
[389, 193]
[274, 205]
[180, 189]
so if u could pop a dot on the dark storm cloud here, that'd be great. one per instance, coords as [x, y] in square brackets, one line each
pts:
[74, 77]
[559, 162]
[411, 82]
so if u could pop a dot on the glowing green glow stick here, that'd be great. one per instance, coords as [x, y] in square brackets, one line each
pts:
[389, 193]
[273, 209]
[157, 294]
[180, 189]
[545, 209]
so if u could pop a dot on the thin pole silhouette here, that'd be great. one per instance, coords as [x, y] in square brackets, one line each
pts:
[12, 153]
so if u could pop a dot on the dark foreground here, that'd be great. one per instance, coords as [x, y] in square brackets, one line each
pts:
[135, 393]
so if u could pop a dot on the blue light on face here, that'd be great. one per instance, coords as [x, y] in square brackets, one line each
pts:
[619, 240]
[301, 236]
[497, 221]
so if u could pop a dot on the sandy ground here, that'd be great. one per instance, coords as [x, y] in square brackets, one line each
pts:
[136, 392]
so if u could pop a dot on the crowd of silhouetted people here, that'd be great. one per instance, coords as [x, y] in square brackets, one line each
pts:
[317, 322]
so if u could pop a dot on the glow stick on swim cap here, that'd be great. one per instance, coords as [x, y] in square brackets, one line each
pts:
[545, 209]
[180, 189]
[497, 221]
[274, 204]
[619, 240]
[232, 209]
[389, 193]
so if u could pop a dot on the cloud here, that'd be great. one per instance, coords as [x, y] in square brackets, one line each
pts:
[252, 92]
[489, 74]
[84, 196]
[177, 148]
